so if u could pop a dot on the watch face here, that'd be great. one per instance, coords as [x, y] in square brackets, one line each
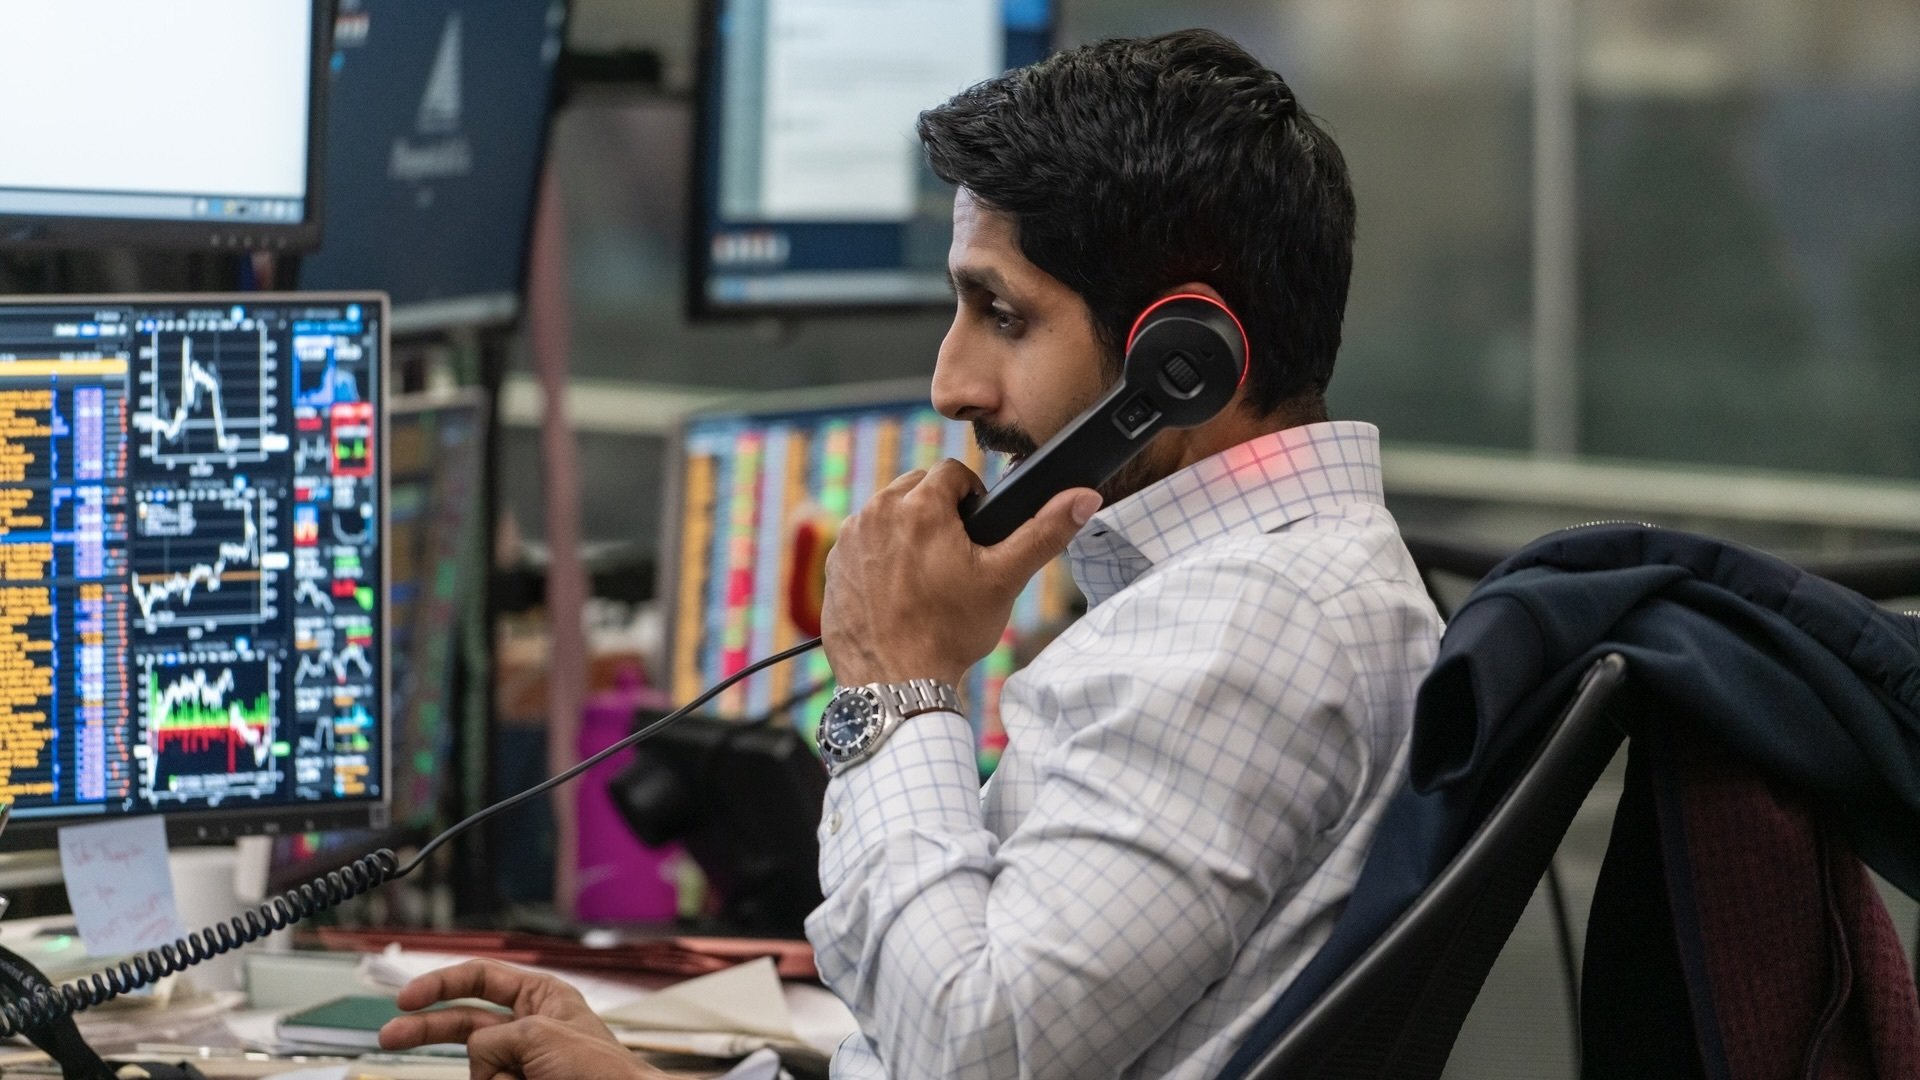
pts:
[849, 724]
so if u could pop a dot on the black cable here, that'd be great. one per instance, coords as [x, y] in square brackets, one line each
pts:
[52, 1004]
[49, 1004]
[791, 700]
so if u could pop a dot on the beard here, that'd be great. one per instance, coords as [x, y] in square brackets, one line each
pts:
[1140, 471]
[1011, 441]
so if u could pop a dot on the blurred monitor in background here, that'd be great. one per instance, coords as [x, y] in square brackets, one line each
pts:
[436, 133]
[435, 445]
[811, 190]
[749, 482]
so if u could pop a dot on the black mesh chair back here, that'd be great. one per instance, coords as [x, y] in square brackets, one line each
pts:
[1397, 1011]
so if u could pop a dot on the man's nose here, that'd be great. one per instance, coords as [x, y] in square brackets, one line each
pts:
[963, 384]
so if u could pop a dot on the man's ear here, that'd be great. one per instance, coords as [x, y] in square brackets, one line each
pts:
[1201, 288]
[1196, 288]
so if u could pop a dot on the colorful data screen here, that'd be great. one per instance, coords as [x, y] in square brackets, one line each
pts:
[751, 482]
[190, 559]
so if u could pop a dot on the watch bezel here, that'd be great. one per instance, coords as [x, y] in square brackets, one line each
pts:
[838, 752]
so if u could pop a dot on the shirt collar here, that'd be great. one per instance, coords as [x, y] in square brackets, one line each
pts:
[1261, 485]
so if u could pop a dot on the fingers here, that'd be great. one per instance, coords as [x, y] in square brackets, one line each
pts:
[490, 980]
[541, 1048]
[502, 1051]
[486, 979]
[455, 1025]
[948, 482]
[1039, 541]
[903, 483]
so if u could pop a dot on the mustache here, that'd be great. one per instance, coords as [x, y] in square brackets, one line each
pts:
[996, 439]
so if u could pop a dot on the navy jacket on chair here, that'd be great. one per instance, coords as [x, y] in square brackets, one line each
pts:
[1814, 687]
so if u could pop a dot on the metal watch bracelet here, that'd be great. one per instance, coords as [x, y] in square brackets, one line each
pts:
[915, 696]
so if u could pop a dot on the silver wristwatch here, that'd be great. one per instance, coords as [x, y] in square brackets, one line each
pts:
[859, 718]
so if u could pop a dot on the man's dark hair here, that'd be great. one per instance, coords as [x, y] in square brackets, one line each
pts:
[1130, 166]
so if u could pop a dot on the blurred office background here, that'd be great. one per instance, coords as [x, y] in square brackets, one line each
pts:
[1683, 232]
[1646, 259]
[1655, 259]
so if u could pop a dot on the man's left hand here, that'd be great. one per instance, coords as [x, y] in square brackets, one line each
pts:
[552, 1034]
[911, 596]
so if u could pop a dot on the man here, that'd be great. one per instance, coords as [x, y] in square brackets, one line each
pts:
[1194, 769]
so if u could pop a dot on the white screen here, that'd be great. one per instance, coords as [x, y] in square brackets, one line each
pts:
[845, 80]
[177, 97]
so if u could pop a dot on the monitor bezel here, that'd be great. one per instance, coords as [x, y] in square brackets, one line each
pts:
[700, 307]
[61, 231]
[501, 310]
[218, 824]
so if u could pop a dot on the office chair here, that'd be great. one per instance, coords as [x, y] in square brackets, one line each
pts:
[1437, 556]
[1881, 576]
[1396, 1012]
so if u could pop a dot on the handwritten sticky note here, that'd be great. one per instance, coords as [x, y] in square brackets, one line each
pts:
[118, 884]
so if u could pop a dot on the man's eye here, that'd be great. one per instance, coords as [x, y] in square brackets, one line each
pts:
[1002, 319]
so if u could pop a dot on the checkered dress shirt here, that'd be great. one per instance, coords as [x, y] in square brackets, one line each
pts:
[1193, 774]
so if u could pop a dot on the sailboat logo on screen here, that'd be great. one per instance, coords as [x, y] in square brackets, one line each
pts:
[440, 105]
[439, 149]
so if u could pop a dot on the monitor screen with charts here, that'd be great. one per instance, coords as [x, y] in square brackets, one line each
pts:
[436, 130]
[748, 478]
[189, 123]
[436, 445]
[811, 192]
[192, 616]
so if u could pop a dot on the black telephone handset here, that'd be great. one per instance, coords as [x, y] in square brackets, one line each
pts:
[1185, 358]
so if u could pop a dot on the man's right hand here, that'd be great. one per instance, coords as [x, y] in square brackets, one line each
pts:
[552, 1035]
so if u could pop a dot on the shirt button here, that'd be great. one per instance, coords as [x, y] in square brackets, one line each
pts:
[833, 823]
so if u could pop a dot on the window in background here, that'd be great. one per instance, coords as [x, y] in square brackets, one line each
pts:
[1747, 263]
[1749, 182]
[1430, 104]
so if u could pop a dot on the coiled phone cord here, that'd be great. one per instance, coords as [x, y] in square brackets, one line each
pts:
[51, 1004]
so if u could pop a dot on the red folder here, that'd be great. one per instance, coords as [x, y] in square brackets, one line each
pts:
[681, 956]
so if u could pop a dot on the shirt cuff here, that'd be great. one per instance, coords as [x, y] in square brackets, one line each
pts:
[925, 777]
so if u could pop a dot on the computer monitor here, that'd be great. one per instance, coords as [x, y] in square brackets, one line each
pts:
[192, 561]
[436, 443]
[436, 130]
[811, 193]
[744, 480]
[189, 123]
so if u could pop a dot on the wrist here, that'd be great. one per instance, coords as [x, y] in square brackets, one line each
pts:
[865, 669]
[860, 717]
[864, 676]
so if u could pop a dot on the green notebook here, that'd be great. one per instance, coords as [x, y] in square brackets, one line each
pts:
[351, 1022]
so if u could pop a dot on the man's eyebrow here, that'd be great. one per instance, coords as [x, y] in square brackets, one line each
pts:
[976, 279]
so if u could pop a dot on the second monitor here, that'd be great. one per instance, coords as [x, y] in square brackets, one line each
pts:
[748, 477]
[191, 564]
[435, 135]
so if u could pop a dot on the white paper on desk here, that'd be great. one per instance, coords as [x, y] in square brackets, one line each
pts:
[759, 1065]
[153, 1021]
[394, 967]
[118, 884]
[743, 999]
[820, 1018]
